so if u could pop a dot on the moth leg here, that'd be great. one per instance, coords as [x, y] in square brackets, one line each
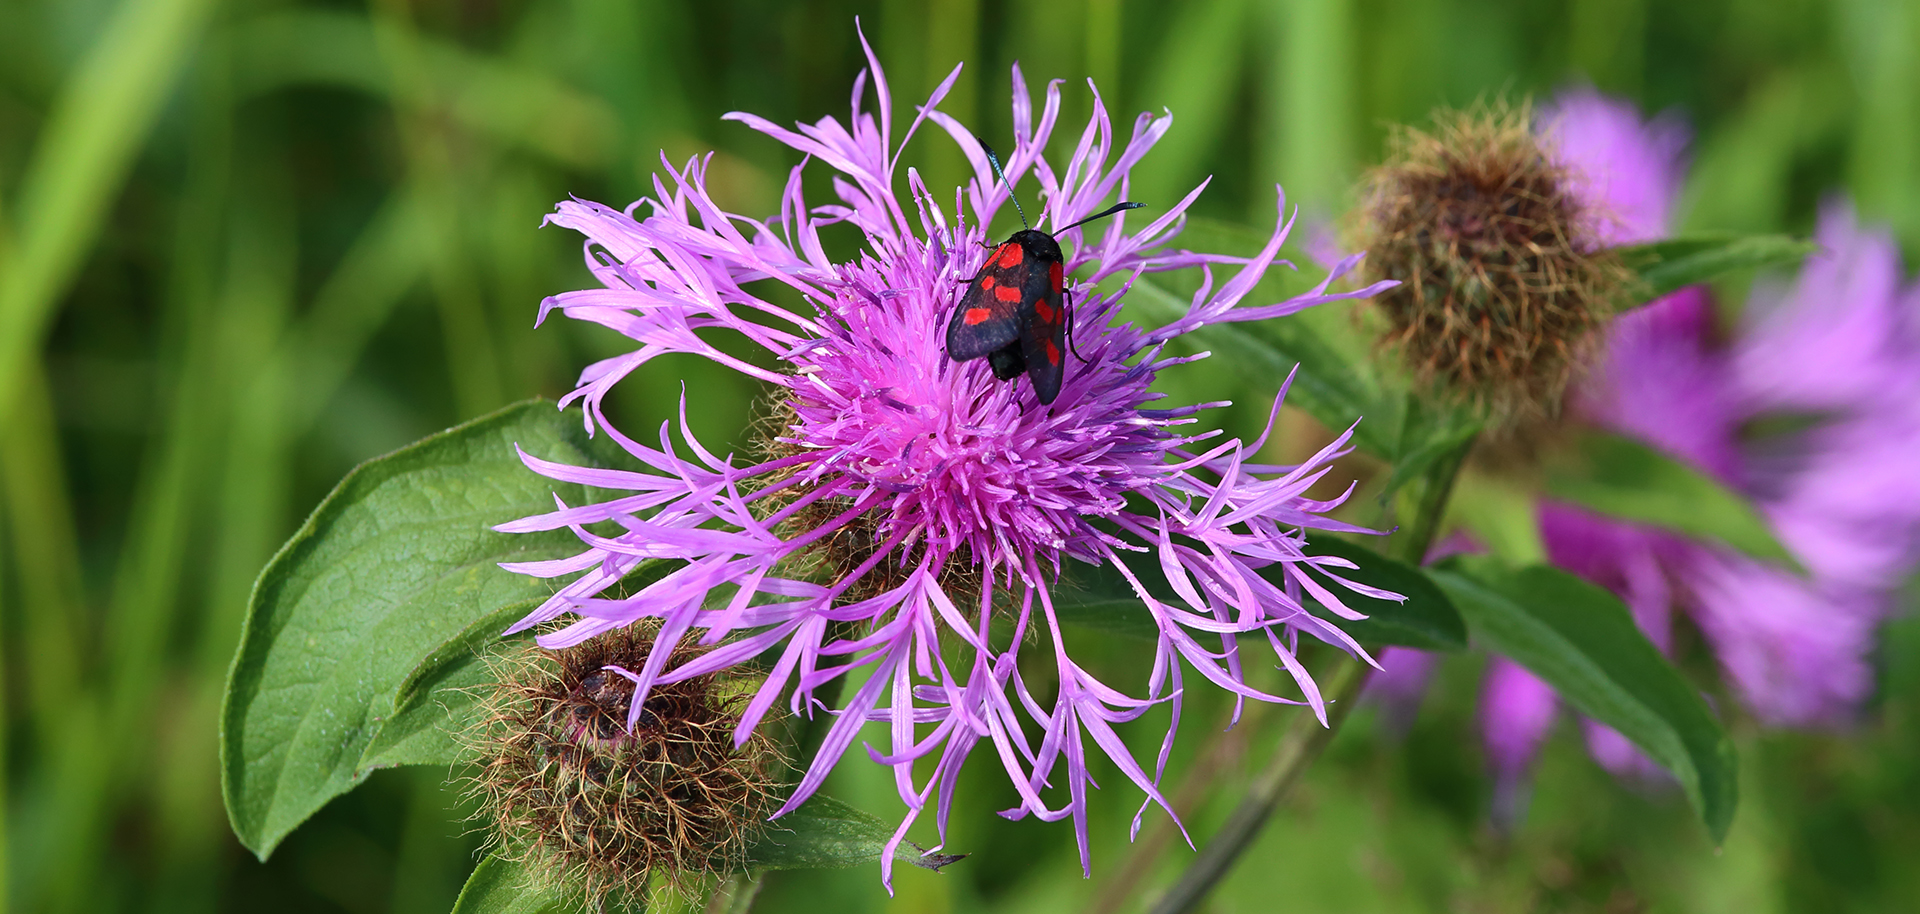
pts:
[1066, 295]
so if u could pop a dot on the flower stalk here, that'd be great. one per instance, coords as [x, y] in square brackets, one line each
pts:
[1305, 739]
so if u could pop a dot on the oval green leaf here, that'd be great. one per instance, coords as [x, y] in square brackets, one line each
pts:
[1580, 639]
[442, 698]
[1427, 620]
[1625, 478]
[368, 611]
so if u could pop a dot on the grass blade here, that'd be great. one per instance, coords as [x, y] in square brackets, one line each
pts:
[99, 123]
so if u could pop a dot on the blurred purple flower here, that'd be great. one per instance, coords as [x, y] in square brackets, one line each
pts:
[942, 500]
[1838, 350]
[1659, 379]
[1843, 322]
[1626, 169]
[1400, 685]
[1516, 715]
[1839, 491]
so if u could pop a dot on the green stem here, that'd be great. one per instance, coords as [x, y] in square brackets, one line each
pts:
[736, 894]
[1303, 742]
[1427, 499]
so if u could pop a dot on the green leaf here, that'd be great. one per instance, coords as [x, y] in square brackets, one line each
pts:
[1678, 262]
[1099, 596]
[441, 699]
[1621, 477]
[501, 886]
[369, 614]
[825, 832]
[1581, 640]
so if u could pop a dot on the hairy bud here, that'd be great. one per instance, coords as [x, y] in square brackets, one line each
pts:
[1502, 282]
[596, 805]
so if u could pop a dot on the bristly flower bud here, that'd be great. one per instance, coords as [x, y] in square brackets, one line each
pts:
[606, 800]
[1503, 280]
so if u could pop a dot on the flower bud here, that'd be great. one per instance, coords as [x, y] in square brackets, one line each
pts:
[1502, 279]
[604, 807]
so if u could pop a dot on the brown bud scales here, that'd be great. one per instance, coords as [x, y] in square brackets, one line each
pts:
[1502, 285]
[602, 809]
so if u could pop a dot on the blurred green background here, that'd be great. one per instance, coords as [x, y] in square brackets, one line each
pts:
[246, 245]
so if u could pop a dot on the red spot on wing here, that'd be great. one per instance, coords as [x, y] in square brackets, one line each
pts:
[986, 282]
[977, 316]
[1054, 275]
[1010, 255]
[1007, 293]
[1045, 312]
[1053, 353]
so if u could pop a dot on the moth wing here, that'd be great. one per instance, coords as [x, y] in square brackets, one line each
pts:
[1043, 336]
[984, 321]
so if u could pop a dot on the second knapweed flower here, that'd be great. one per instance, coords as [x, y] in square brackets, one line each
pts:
[905, 503]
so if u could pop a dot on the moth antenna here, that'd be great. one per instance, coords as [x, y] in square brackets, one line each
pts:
[1117, 207]
[1003, 179]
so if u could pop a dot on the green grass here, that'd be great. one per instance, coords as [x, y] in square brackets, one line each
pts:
[244, 246]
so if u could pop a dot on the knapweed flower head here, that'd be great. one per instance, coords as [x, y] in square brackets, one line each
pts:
[903, 523]
[1503, 275]
[603, 795]
[1835, 354]
[1837, 486]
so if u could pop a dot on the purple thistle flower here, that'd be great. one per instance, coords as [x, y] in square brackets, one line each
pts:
[1660, 380]
[1837, 493]
[909, 502]
[1841, 493]
[1837, 346]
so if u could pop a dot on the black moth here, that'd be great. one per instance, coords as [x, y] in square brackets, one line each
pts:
[1015, 311]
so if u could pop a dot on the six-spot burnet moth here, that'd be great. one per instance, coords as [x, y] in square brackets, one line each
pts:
[1015, 311]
